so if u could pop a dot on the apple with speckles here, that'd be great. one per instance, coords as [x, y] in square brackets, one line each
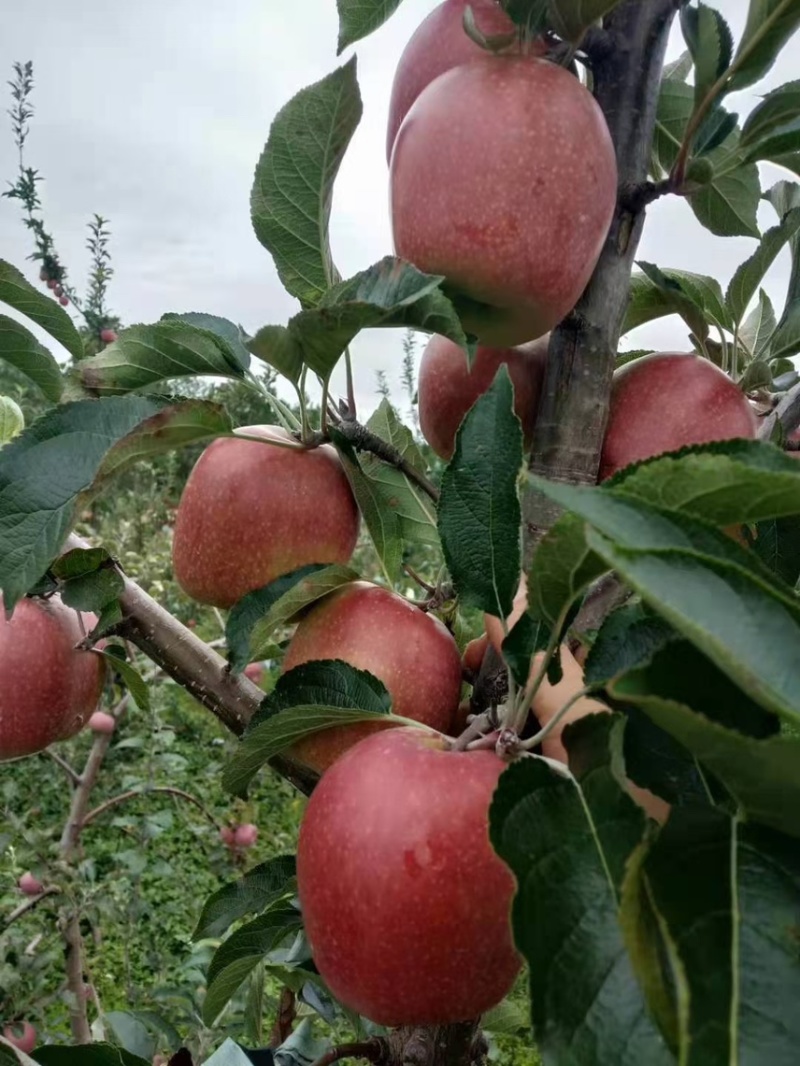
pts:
[374, 629]
[405, 904]
[48, 688]
[504, 180]
[22, 1036]
[253, 510]
[440, 43]
[666, 401]
[449, 386]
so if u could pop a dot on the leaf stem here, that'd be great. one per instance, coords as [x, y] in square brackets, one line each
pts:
[546, 730]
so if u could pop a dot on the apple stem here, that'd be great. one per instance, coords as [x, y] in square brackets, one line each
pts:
[546, 730]
[480, 724]
[351, 392]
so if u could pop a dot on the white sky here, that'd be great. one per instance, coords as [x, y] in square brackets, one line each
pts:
[154, 113]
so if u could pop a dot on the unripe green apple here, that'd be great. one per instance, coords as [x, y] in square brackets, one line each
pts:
[252, 511]
[504, 180]
[406, 905]
[376, 630]
[48, 689]
[448, 386]
[667, 400]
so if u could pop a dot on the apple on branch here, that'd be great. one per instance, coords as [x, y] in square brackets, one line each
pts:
[376, 630]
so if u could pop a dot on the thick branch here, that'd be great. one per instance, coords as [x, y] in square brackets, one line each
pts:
[29, 904]
[574, 407]
[73, 950]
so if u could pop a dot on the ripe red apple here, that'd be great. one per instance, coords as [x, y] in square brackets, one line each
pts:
[48, 690]
[245, 835]
[374, 629]
[251, 512]
[30, 885]
[108, 336]
[504, 180]
[100, 722]
[474, 653]
[405, 903]
[448, 387]
[667, 400]
[255, 672]
[24, 1041]
[438, 44]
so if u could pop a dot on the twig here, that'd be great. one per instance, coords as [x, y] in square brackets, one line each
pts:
[365, 441]
[373, 1050]
[352, 413]
[636, 197]
[132, 793]
[29, 904]
[787, 413]
[72, 774]
[480, 724]
[284, 1023]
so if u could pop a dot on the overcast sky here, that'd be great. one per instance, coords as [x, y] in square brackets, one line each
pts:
[154, 113]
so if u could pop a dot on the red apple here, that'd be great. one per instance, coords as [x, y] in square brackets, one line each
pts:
[474, 654]
[30, 885]
[405, 903]
[100, 722]
[504, 180]
[794, 436]
[252, 511]
[245, 835]
[228, 836]
[448, 386]
[52, 284]
[48, 689]
[255, 672]
[438, 44]
[667, 400]
[374, 629]
[108, 336]
[24, 1041]
[63, 300]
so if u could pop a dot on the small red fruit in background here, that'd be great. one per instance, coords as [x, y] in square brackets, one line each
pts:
[108, 336]
[52, 284]
[255, 672]
[504, 180]
[245, 835]
[192, 623]
[63, 300]
[100, 722]
[228, 836]
[448, 386]
[667, 400]
[406, 905]
[374, 629]
[30, 885]
[251, 512]
[24, 1041]
[474, 654]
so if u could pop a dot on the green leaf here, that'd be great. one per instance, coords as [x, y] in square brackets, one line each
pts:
[93, 592]
[131, 678]
[65, 456]
[46, 312]
[280, 349]
[760, 774]
[317, 695]
[773, 127]
[254, 619]
[567, 841]
[293, 189]
[528, 636]
[562, 568]
[710, 43]
[757, 329]
[703, 583]
[390, 294]
[259, 889]
[232, 338]
[479, 511]
[12, 420]
[770, 24]
[727, 482]
[750, 274]
[359, 18]
[777, 544]
[146, 355]
[656, 292]
[131, 1033]
[20, 349]
[380, 517]
[726, 899]
[728, 205]
[238, 956]
[572, 18]
[675, 107]
[786, 338]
